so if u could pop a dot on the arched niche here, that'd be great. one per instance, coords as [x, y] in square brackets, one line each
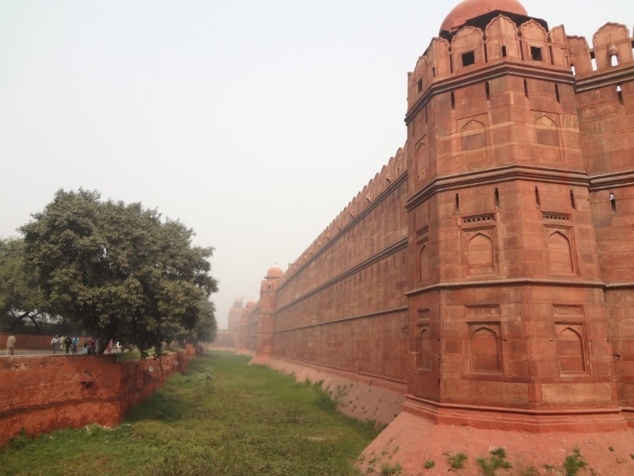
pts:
[424, 264]
[570, 348]
[480, 254]
[546, 131]
[425, 349]
[484, 348]
[560, 257]
[473, 135]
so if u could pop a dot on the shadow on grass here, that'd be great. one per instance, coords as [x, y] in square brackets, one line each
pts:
[161, 406]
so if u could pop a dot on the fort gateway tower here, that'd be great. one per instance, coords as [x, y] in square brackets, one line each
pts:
[486, 274]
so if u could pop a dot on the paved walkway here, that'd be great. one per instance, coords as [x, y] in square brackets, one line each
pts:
[3, 352]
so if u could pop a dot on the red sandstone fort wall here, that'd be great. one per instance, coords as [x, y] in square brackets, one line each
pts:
[493, 273]
[42, 394]
[342, 303]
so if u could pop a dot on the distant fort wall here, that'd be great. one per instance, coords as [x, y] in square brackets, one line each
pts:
[342, 304]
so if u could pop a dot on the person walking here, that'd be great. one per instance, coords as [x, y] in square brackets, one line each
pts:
[11, 344]
[54, 343]
[68, 341]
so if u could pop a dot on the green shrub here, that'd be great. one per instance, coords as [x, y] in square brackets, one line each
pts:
[574, 462]
[497, 460]
[457, 461]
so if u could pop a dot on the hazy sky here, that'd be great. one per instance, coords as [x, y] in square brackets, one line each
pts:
[252, 122]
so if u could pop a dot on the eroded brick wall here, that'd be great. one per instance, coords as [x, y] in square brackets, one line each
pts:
[39, 394]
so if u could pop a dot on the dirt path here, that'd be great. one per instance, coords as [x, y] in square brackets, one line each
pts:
[416, 445]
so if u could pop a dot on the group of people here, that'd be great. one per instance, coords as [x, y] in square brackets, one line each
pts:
[68, 343]
[90, 345]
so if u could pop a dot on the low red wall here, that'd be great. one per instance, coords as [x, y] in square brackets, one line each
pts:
[27, 341]
[39, 394]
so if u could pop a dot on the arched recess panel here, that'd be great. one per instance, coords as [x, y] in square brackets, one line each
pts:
[425, 346]
[422, 160]
[560, 257]
[571, 348]
[547, 140]
[546, 131]
[425, 268]
[473, 136]
[484, 348]
[480, 254]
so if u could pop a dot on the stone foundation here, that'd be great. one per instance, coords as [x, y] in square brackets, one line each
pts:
[362, 397]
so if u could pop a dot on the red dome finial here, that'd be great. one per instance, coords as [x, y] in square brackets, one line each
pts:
[468, 9]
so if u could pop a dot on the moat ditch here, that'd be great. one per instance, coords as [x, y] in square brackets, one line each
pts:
[222, 416]
[226, 417]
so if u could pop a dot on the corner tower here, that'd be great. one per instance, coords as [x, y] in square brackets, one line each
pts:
[507, 315]
[265, 316]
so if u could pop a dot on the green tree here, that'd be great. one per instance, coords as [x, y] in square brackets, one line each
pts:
[123, 271]
[19, 299]
[207, 326]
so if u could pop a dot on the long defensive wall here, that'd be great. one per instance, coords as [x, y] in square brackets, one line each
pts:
[486, 274]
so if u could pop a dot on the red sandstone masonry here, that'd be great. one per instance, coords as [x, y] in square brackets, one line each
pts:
[41, 394]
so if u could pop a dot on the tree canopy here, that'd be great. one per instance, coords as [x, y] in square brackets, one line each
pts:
[18, 298]
[123, 271]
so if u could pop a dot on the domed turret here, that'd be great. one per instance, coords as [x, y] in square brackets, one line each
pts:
[274, 272]
[468, 9]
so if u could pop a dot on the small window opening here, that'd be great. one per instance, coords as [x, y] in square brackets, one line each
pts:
[573, 69]
[613, 202]
[456, 208]
[453, 101]
[468, 58]
[525, 88]
[619, 93]
[537, 200]
[536, 53]
[594, 63]
[497, 198]
[487, 89]
[504, 51]
[420, 85]
[451, 63]
[614, 60]
[557, 93]
[433, 71]
[573, 203]
[486, 54]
